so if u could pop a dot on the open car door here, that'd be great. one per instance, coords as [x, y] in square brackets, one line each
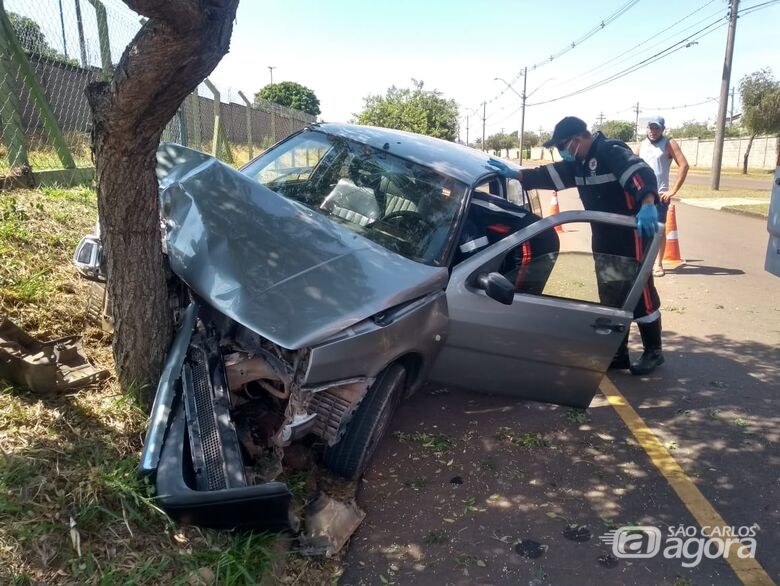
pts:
[552, 336]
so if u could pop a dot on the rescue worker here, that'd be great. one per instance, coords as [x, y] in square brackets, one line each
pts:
[609, 178]
[492, 218]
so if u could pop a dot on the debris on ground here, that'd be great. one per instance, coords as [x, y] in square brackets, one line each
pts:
[44, 367]
[607, 560]
[529, 548]
[578, 533]
[329, 525]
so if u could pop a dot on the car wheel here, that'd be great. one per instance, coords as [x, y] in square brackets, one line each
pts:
[351, 455]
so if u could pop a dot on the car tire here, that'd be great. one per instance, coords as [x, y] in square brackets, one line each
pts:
[350, 457]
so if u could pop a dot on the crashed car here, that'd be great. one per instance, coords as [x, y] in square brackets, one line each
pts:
[329, 278]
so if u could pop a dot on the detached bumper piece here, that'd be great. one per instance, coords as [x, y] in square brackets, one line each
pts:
[200, 476]
[44, 367]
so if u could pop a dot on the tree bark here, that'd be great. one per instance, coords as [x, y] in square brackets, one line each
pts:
[747, 155]
[173, 52]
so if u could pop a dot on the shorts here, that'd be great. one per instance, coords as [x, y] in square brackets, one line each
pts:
[663, 209]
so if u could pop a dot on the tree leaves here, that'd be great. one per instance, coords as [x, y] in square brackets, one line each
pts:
[412, 109]
[292, 95]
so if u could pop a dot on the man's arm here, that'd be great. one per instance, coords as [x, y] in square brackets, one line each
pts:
[674, 151]
[634, 175]
[556, 176]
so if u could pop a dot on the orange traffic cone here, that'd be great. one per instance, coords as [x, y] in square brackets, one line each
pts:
[555, 209]
[672, 252]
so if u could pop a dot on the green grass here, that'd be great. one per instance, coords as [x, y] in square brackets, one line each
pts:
[689, 190]
[70, 459]
[761, 209]
[524, 440]
[438, 443]
[731, 171]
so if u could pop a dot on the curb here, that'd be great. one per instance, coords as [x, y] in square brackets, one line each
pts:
[744, 213]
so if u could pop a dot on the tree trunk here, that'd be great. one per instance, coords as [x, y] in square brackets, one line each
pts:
[180, 44]
[747, 154]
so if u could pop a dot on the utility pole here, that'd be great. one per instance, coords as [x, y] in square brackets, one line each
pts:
[522, 114]
[717, 155]
[601, 119]
[731, 115]
[271, 69]
[636, 123]
[467, 131]
[484, 110]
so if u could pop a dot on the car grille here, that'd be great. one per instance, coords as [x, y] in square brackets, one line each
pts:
[216, 454]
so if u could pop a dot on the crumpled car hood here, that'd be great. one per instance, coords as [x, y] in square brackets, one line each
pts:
[284, 271]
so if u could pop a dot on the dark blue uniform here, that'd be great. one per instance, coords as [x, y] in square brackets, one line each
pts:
[610, 179]
[492, 218]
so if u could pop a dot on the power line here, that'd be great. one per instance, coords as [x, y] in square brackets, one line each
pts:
[617, 58]
[608, 20]
[683, 106]
[670, 50]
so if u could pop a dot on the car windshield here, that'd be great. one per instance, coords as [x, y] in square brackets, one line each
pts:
[405, 207]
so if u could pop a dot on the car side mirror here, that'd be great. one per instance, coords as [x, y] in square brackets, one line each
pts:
[87, 258]
[497, 287]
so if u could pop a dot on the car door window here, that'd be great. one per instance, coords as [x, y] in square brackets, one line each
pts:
[491, 187]
[587, 261]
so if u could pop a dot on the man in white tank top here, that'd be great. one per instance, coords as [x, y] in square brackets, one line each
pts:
[658, 151]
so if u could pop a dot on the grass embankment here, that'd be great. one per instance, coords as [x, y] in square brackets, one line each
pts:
[756, 202]
[71, 507]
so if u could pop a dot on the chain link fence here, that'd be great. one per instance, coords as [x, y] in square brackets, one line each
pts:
[51, 49]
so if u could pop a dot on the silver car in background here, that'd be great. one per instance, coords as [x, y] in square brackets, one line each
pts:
[329, 278]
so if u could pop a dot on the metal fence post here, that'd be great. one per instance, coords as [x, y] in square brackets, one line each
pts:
[219, 142]
[104, 40]
[248, 122]
[17, 56]
[273, 122]
[182, 125]
[197, 138]
[13, 129]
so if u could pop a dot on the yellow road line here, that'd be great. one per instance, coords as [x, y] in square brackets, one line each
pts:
[748, 570]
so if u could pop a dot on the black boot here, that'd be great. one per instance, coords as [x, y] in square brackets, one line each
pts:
[621, 360]
[652, 355]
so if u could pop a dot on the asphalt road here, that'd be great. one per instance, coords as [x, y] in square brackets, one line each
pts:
[454, 515]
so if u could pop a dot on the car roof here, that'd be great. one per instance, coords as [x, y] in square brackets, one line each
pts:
[448, 158]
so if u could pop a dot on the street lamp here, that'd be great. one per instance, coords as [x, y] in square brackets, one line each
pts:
[522, 111]
[522, 97]
[271, 69]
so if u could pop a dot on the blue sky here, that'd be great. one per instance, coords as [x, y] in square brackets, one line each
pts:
[345, 50]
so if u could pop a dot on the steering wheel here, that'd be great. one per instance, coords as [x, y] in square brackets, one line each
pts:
[403, 217]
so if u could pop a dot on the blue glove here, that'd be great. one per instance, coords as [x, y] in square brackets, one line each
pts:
[647, 220]
[502, 168]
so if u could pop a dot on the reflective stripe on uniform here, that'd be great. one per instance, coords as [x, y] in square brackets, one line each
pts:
[649, 318]
[474, 244]
[556, 179]
[630, 171]
[595, 179]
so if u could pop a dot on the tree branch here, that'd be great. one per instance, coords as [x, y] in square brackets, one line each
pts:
[149, 84]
